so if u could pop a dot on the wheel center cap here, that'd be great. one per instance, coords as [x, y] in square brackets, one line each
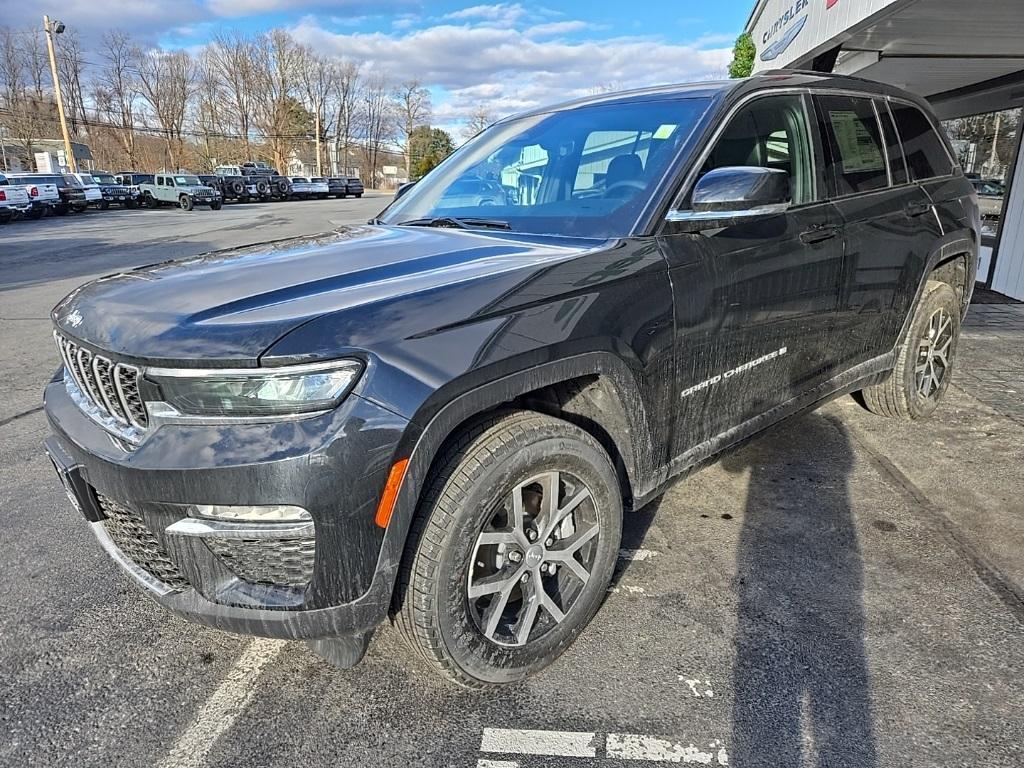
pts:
[534, 556]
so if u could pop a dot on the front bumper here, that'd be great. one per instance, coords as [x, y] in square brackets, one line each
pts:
[333, 465]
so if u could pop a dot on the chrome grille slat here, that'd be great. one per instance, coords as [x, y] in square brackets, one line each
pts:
[112, 387]
[104, 372]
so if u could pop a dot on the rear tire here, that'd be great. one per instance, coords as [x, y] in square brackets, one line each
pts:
[924, 359]
[490, 515]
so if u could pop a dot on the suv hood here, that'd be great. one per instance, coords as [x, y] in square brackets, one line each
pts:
[229, 307]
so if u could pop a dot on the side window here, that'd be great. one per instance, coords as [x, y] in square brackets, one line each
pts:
[926, 155]
[159, 181]
[850, 130]
[770, 132]
[897, 165]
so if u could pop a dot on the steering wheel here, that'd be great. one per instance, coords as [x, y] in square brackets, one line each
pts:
[625, 184]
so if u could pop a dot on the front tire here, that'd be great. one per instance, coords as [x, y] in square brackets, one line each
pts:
[512, 549]
[924, 362]
[215, 206]
[185, 203]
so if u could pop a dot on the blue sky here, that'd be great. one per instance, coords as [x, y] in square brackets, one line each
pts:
[505, 56]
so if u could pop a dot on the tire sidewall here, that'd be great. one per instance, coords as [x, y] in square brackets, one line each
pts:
[941, 297]
[476, 656]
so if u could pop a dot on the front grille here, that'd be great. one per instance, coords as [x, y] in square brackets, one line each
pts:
[279, 562]
[132, 536]
[112, 387]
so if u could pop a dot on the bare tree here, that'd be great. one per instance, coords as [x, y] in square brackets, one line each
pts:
[317, 74]
[377, 120]
[480, 118]
[412, 104]
[27, 112]
[71, 67]
[233, 55]
[166, 81]
[276, 81]
[209, 114]
[346, 95]
[116, 91]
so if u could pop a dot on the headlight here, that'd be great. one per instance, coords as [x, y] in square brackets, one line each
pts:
[259, 391]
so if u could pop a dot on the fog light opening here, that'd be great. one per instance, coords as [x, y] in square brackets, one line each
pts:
[273, 513]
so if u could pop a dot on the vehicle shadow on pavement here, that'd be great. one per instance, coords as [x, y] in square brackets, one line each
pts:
[801, 689]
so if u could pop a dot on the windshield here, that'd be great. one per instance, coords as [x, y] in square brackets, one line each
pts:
[86, 179]
[104, 178]
[585, 172]
[187, 181]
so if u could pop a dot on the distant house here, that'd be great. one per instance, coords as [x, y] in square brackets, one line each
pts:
[14, 157]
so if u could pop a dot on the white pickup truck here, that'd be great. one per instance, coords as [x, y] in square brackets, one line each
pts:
[93, 193]
[14, 200]
[43, 193]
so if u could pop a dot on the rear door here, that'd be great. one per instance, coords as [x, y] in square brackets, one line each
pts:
[755, 301]
[888, 223]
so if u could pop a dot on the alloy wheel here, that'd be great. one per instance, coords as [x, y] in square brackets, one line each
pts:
[933, 353]
[533, 558]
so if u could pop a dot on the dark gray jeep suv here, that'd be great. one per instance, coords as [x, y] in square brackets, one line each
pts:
[442, 416]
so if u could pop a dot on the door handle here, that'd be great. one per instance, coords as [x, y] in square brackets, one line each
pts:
[819, 234]
[918, 209]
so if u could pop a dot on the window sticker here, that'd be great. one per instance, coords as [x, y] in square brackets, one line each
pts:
[857, 147]
[664, 131]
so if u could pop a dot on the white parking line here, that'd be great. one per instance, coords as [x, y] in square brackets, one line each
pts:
[635, 746]
[557, 743]
[484, 763]
[223, 707]
[637, 554]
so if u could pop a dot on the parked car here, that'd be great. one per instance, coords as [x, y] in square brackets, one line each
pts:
[181, 189]
[302, 189]
[354, 186]
[93, 193]
[444, 415]
[338, 186]
[70, 197]
[112, 191]
[319, 188]
[134, 182]
[14, 200]
[990, 197]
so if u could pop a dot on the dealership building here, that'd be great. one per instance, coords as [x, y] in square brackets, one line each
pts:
[966, 58]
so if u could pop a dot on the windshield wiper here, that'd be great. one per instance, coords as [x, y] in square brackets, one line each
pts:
[456, 222]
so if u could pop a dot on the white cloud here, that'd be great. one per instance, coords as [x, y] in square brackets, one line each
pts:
[557, 28]
[499, 12]
[509, 69]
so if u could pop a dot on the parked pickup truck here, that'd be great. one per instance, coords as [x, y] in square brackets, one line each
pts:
[14, 200]
[231, 187]
[58, 193]
[263, 181]
[113, 192]
[184, 190]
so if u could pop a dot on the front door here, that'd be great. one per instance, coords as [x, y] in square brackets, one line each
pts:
[755, 301]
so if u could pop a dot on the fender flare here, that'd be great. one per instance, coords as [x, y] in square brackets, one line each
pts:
[958, 243]
[423, 443]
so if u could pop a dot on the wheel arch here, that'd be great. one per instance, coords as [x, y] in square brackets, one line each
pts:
[595, 391]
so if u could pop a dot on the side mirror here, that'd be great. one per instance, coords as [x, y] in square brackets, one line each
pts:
[404, 188]
[732, 194]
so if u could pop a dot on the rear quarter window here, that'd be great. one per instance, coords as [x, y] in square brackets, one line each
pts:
[926, 155]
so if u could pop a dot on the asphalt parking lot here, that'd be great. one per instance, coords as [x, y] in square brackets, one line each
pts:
[843, 591]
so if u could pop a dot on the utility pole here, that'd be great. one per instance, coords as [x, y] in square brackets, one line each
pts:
[51, 29]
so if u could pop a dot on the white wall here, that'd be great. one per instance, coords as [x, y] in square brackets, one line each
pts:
[824, 21]
[1009, 276]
